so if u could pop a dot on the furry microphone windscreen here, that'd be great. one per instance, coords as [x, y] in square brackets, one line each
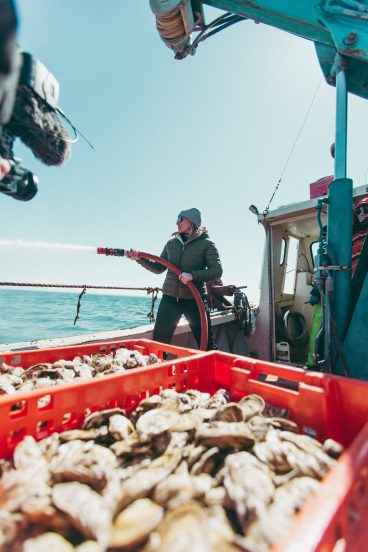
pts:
[39, 128]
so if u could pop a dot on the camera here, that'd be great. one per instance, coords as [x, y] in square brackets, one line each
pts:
[19, 183]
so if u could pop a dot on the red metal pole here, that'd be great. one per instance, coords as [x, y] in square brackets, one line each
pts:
[177, 271]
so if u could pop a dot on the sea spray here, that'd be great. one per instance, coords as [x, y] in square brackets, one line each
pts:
[6, 245]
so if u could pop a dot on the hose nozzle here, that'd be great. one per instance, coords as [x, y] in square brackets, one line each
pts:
[109, 251]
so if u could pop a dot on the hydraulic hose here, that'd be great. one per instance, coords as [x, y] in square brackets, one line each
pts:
[202, 311]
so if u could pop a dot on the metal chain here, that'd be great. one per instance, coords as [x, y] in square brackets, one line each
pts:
[24, 284]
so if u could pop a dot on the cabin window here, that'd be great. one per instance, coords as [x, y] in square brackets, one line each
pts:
[313, 250]
[291, 265]
[283, 251]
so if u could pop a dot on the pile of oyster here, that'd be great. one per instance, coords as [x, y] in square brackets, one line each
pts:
[13, 379]
[186, 471]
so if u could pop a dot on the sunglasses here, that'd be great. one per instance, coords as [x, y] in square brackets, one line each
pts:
[179, 219]
[361, 209]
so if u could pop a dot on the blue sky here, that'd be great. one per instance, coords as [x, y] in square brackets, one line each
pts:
[212, 131]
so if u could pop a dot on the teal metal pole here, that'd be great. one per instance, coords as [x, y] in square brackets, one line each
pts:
[341, 120]
[339, 227]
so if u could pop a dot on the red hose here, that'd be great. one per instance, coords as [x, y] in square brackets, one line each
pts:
[202, 311]
[193, 289]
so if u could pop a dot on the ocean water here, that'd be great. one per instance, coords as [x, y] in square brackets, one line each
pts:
[27, 315]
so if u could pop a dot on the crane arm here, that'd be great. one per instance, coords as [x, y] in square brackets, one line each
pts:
[337, 28]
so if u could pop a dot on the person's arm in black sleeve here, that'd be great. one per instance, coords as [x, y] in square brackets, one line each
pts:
[213, 263]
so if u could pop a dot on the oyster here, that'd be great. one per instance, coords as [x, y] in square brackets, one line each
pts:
[180, 487]
[141, 483]
[97, 419]
[120, 427]
[157, 421]
[47, 542]
[85, 509]
[93, 434]
[278, 517]
[6, 388]
[89, 546]
[230, 412]
[220, 398]
[40, 512]
[82, 461]
[182, 529]
[9, 527]
[248, 484]
[28, 456]
[192, 527]
[136, 445]
[332, 448]
[49, 446]
[222, 434]
[18, 486]
[215, 496]
[197, 399]
[252, 405]
[284, 451]
[33, 371]
[134, 524]
[207, 462]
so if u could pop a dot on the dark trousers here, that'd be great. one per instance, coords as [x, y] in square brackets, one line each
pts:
[169, 313]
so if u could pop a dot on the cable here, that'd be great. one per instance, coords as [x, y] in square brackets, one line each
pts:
[266, 211]
[221, 22]
[22, 284]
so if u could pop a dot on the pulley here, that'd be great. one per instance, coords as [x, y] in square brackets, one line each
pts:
[175, 21]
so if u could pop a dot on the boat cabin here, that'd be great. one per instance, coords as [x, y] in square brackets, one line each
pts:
[285, 315]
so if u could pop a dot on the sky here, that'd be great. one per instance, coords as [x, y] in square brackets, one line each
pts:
[212, 131]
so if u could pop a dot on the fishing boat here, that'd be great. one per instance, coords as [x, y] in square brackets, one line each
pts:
[311, 311]
[298, 257]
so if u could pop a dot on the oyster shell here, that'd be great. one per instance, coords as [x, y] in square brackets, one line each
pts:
[85, 462]
[120, 427]
[252, 405]
[222, 434]
[230, 412]
[157, 421]
[248, 484]
[332, 448]
[134, 524]
[220, 398]
[47, 542]
[141, 483]
[93, 434]
[278, 517]
[89, 546]
[100, 418]
[182, 529]
[85, 509]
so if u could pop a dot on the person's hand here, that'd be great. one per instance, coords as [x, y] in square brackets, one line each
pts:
[185, 277]
[4, 167]
[132, 254]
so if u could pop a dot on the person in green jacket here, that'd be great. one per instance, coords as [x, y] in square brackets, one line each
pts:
[191, 250]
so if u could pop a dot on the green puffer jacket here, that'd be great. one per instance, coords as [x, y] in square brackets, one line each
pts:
[198, 255]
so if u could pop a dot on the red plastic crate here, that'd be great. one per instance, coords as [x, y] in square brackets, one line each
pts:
[27, 358]
[323, 405]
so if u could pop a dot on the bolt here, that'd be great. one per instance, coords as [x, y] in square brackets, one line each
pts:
[350, 38]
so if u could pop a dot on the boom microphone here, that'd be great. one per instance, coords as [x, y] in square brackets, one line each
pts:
[34, 118]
